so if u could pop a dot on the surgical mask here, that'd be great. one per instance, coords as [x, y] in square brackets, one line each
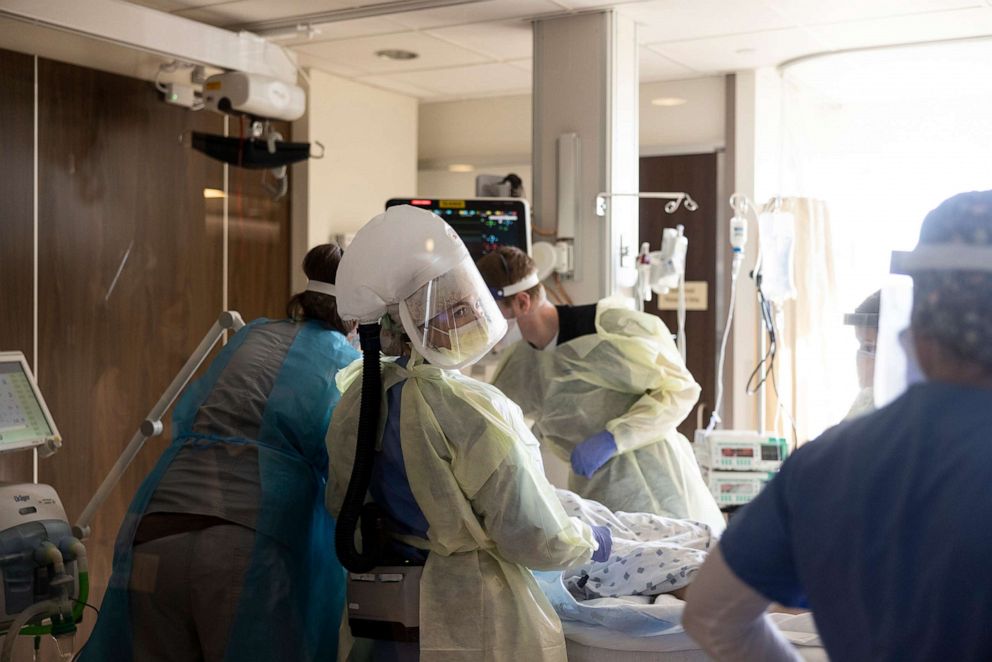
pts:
[863, 404]
[467, 341]
[452, 319]
[866, 367]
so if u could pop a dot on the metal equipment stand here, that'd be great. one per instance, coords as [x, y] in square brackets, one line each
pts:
[152, 425]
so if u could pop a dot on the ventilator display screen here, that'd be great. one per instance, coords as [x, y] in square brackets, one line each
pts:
[484, 224]
[23, 420]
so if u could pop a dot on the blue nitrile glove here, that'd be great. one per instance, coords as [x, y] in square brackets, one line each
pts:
[605, 539]
[590, 456]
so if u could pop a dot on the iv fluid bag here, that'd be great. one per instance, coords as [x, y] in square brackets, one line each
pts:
[777, 238]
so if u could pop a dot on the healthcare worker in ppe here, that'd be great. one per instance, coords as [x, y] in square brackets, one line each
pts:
[864, 319]
[455, 470]
[227, 552]
[607, 387]
[879, 524]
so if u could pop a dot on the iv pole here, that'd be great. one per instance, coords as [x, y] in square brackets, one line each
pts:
[675, 200]
[152, 425]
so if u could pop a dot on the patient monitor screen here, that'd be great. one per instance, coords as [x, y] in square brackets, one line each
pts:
[483, 224]
[21, 416]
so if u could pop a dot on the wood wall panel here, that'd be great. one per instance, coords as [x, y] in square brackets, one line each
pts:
[258, 241]
[131, 275]
[16, 224]
[695, 174]
[130, 266]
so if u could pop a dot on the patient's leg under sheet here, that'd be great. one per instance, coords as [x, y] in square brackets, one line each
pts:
[651, 554]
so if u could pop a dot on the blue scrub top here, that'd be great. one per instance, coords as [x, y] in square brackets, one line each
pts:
[390, 486]
[882, 526]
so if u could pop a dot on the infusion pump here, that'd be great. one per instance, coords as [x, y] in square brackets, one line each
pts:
[736, 464]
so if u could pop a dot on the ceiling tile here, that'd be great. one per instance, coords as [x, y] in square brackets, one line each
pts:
[502, 41]
[671, 20]
[360, 27]
[336, 68]
[393, 83]
[479, 80]
[170, 5]
[250, 11]
[360, 53]
[812, 12]
[477, 12]
[745, 51]
[907, 29]
[594, 4]
[524, 65]
[654, 66]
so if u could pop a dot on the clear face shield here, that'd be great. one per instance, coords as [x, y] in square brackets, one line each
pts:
[866, 331]
[895, 359]
[453, 320]
[896, 366]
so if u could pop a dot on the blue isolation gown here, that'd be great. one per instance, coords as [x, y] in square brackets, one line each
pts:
[271, 388]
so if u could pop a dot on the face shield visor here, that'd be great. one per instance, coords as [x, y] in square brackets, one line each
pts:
[453, 320]
[866, 331]
[895, 359]
[896, 366]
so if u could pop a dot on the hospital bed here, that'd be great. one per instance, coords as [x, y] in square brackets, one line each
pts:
[590, 643]
[640, 628]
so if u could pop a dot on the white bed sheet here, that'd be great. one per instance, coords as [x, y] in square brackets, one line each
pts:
[591, 643]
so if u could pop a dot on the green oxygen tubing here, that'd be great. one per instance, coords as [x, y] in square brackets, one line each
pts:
[72, 549]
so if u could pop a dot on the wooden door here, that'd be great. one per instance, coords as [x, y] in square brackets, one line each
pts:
[16, 224]
[696, 174]
[130, 267]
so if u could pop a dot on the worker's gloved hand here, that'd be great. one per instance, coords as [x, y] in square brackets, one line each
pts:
[605, 539]
[590, 456]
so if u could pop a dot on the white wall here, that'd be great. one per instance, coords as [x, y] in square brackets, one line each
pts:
[756, 169]
[370, 137]
[497, 128]
[443, 184]
[494, 134]
[695, 126]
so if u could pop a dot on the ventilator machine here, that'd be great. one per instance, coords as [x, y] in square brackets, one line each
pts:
[45, 582]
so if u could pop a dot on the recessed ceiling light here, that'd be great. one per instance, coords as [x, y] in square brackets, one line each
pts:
[461, 167]
[211, 193]
[668, 101]
[396, 54]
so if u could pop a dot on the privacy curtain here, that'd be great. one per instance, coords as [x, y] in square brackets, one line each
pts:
[808, 365]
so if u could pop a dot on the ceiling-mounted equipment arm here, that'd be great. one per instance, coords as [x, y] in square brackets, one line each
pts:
[152, 425]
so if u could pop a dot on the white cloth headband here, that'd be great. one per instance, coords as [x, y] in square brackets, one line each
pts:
[942, 257]
[520, 286]
[321, 287]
